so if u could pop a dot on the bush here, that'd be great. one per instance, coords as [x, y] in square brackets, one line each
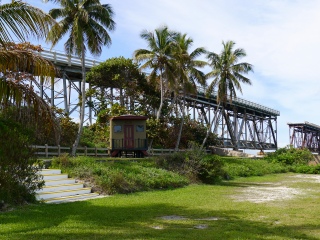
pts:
[194, 164]
[291, 156]
[18, 166]
[119, 177]
[251, 167]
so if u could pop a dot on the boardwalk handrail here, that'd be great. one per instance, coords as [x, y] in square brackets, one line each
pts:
[55, 151]
[50, 151]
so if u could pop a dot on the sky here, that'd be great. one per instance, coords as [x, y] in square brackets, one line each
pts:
[281, 39]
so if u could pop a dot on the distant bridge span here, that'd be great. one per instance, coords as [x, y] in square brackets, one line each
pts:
[305, 135]
[239, 125]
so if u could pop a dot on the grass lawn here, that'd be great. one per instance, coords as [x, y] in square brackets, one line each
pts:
[281, 206]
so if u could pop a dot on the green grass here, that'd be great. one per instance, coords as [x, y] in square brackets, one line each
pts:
[139, 215]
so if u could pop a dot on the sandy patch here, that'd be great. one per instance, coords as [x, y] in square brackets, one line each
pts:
[267, 192]
[260, 194]
[307, 178]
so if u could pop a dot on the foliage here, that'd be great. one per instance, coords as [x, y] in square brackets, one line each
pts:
[194, 164]
[118, 81]
[291, 156]
[235, 167]
[158, 59]
[227, 72]
[18, 166]
[22, 20]
[119, 177]
[96, 135]
[43, 130]
[164, 133]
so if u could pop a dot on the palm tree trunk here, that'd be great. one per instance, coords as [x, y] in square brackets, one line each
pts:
[209, 128]
[161, 96]
[82, 107]
[160, 107]
[182, 121]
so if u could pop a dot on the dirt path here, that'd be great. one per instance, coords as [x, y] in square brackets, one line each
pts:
[267, 192]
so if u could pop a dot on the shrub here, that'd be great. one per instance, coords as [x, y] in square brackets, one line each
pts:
[251, 167]
[291, 156]
[119, 177]
[18, 166]
[211, 170]
[194, 164]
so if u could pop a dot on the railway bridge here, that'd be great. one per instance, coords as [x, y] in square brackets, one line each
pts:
[305, 135]
[240, 124]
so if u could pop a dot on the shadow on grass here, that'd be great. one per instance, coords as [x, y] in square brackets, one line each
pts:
[108, 219]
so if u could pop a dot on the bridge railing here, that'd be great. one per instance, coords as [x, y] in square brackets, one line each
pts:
[242, 102]
[70, 60]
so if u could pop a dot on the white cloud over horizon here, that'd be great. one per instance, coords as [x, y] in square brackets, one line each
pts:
[281, 39]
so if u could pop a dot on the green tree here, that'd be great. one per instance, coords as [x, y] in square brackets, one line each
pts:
[87, 22]
[158, 58]
[227, 73]
[186, 71]
[116, 73]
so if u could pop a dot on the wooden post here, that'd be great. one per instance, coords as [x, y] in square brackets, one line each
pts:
[46, 150]
[59, 150]
[85, 150]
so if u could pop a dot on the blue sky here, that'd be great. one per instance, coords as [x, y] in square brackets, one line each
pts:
[281, 38]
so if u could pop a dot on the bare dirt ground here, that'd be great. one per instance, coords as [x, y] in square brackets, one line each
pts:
[267, 192]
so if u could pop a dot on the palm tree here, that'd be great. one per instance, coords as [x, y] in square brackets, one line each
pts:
[87, 22]
[187, 72]
[158, 58]
[227, 73]
[19, 20]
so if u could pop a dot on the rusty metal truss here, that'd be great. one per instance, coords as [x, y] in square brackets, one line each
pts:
[305, 135]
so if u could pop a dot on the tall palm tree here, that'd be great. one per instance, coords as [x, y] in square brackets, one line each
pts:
[87, 22]
[186, 70]
[227, 73]
[19, 21]
[158, 58]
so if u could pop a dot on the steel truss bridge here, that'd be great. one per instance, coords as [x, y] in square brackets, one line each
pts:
[240, 124]
[305, 135]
